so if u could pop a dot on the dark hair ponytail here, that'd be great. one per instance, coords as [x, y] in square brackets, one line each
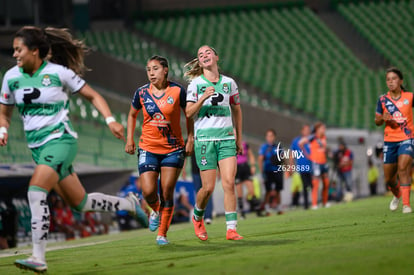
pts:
[397, 72]
[56, 45]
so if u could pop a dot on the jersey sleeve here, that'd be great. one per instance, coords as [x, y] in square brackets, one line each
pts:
[192, 92]
[6, 96]
[71, 80]
[183, 98]
[379, 110]
[136, 103]
[234, 94]
[262, 150]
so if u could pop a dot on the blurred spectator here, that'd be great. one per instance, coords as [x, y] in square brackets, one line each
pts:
[8, 224]
[64, 221]
[296, 188]
[302, 164]
[373, 174]
[343, 159]
[183, 208]
[270, 165]
[318, 156]
[246, 168]
[332, 191]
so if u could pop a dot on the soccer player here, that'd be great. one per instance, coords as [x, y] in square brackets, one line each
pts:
[246, 168]
[270, 164]
[303, 163]
[161, 150]
[395, 110]
[49, 63]
[213, 102]
[317, 148]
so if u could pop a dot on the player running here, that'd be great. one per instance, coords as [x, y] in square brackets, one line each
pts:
[161, 150]
[213, 102]
[395, 109]
[49, 63]
[320, 169]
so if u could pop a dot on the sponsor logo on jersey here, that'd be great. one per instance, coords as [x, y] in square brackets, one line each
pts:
[388, 103]
[170, 100]
[398, 117]
[4, 95]
[399, 104]
[391, 108]
[159, 120]
[226, 88]
[46, 80]
[14, 86]
[147, 101]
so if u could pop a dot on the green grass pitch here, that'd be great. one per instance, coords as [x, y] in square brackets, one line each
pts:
[362, 237]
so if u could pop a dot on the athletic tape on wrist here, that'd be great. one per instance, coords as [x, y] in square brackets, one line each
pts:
[3, 130]
[110, 119]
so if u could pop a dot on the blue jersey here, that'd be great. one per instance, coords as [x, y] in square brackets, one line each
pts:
[271, 157]
[300, 159]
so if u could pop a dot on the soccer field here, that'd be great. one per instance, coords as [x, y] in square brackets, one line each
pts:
[362, 237]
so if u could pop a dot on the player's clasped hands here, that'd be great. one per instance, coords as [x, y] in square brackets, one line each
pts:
[389, 120]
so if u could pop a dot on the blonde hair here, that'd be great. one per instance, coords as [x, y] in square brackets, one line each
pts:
[193, 68]
[56, 45]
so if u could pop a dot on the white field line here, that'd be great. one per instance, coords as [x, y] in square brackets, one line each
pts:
[17, 251]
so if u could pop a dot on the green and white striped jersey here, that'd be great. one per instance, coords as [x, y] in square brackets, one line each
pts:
[214, 119]
[42, 100]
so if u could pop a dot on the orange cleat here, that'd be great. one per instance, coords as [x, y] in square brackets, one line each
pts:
[233, 235]
[200, 229]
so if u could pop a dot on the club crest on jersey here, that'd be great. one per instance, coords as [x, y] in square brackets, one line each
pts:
[405, 101]
[170, 100]
[46, 80]
[226, 88]
[203, 161]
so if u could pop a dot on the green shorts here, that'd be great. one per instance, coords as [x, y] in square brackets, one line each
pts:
[209, 153]
[58, 154]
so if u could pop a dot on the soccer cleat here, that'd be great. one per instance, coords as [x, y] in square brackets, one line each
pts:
[32, 264]
[140, 214]
[406, 209]
[161, 240]
[154, 221]
[314, 207]
[200, 230]
[394, 203]
[233, 235]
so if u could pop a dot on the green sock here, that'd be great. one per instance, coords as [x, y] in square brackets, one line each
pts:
[231, 220]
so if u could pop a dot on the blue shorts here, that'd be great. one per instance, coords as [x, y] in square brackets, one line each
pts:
[392, 150]
[319, 169]
[148, 161]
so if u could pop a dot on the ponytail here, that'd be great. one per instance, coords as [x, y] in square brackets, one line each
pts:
[65, 50]
[56, 45]
[193, 69]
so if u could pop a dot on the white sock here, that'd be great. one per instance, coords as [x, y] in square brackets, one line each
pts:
[40, 221]
[106, 203]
